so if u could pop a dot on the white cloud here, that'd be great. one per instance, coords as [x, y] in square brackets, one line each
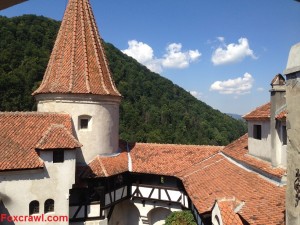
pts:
[238, 86]
[196, 94]
[143, 53]
[173, 58]
[232, 53]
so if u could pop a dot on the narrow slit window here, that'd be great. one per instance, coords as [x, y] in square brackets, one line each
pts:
[284, 135]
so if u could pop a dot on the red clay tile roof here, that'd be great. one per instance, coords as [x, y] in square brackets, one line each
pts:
[78, 63]
[282, 115]
[206, 175]
[103, 166]
[218, 178]
[229, 217]
[168, 159]
[57, 137]
[261, 113]
[238, 150]
[20, 133]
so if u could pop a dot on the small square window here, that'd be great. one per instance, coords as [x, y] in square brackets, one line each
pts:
[84, 123]
[257, 132]
[58, 156]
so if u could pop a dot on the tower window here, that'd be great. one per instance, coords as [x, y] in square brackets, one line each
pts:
[34, 207]
[84, 122]
[58, 156]
[49, 206]
[257, 132]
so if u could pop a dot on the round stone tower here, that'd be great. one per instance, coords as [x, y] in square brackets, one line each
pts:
[78, 81]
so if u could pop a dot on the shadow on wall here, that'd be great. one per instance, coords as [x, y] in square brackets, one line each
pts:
[125, 213]
[4, 212]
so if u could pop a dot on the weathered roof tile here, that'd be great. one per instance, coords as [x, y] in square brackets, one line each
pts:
[78, 63]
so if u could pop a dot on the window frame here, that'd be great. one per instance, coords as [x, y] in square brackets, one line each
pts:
[87, 122]
[257, 131]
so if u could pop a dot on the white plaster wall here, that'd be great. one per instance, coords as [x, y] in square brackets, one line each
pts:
[216, 213]
[52, 182]
[283, 155]
[102, 137]
[260, 148]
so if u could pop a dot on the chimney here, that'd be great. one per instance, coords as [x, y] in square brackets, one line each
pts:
[277, 105]
[292, 73]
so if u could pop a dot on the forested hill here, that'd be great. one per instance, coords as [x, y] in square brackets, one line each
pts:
[153, 109]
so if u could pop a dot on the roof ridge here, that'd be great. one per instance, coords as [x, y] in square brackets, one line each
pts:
[34, 113]
[51, 129]
[183, 145]
[102, 166]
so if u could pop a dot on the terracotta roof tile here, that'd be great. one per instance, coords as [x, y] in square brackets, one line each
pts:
[282, 115]
[104, 166]
[218, 177]
[229, 217]
[238, 150]
[78, 63]
[20, 133]
[261, 113]
[57, 137]
[168, 159]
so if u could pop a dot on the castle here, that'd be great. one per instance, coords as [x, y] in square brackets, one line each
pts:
[67, 159]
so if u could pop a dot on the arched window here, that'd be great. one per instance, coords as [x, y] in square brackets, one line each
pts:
[34, 207]
[49, 205]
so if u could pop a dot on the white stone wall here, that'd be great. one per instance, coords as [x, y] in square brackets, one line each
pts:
[18, 189]
[216, 217]
[102, 136]
[260, 148]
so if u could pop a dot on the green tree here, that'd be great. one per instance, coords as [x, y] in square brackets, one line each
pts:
[181, 218]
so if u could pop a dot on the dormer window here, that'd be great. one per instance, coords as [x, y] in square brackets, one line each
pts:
[257, 132]
[84, 122]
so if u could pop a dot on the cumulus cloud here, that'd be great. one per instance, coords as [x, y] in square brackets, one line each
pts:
[173, 58]
[196, 94]
[232, 53]
[238, 86]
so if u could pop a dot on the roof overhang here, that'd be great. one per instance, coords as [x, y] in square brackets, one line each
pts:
[8, 3]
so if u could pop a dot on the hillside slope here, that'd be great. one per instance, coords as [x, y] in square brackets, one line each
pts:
[153, 108]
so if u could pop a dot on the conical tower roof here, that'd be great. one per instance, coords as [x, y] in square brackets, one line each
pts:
[78, 64]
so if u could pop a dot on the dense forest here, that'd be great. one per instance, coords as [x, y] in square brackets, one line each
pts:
[153, 108]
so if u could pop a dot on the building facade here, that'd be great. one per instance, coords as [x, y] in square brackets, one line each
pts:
[67, 159]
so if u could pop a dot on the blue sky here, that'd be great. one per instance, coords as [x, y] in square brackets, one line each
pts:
[224, 52]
